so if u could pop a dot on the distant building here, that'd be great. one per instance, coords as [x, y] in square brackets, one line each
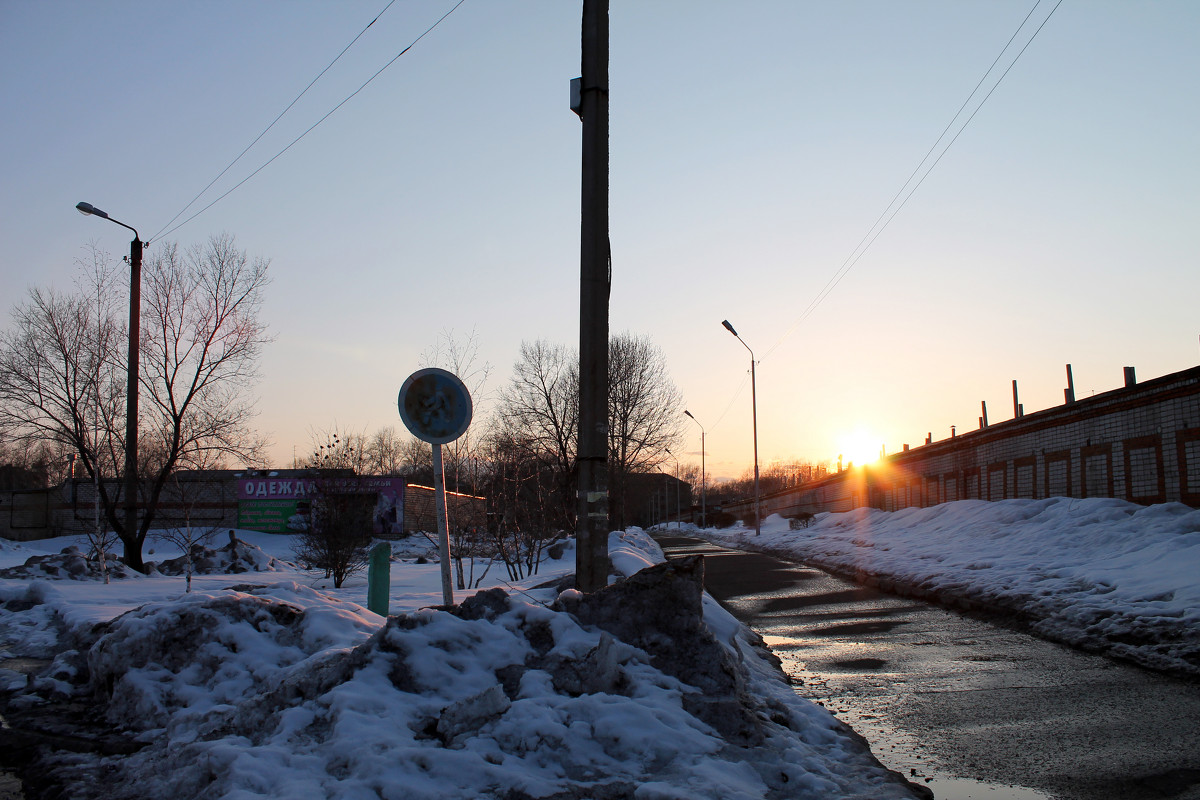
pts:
[1139, 443]
[273, 501]
[652, 497]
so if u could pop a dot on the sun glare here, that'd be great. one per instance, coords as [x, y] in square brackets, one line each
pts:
[859, 447]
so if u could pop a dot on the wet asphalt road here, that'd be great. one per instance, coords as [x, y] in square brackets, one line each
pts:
[979, 710]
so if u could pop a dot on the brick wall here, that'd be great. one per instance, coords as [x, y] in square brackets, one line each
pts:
[69, 509]
[462, 510]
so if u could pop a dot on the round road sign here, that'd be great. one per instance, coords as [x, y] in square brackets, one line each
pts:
[435, 405]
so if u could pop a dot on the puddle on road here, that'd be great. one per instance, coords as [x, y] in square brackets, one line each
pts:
[966, 789]
[897, 749]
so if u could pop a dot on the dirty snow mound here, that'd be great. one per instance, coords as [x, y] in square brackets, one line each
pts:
[70, 564]
[238, 695]
[234, 558]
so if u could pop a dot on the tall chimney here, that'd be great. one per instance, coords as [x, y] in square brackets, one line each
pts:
[1130, 378]
[1069, 392]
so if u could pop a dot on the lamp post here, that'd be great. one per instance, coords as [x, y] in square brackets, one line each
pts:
[131, 392]
[678, 506]
[754, 411]
[703, 481]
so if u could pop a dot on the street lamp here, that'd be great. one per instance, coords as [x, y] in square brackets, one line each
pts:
[703, 500]
[754, 411]
[678, 508]
[131, 392]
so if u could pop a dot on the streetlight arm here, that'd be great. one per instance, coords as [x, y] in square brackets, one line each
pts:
[729, 328]
[87, 209]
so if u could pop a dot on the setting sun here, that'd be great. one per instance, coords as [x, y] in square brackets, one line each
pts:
[858, 447]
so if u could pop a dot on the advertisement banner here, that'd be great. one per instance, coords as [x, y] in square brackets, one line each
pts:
[284, 505]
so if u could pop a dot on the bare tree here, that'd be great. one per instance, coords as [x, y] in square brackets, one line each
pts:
[384, 452]
[27, 468]
[538, 416]
[644, 413]
[524, 501]
[416, 459]
[333, 448]
[61, 372]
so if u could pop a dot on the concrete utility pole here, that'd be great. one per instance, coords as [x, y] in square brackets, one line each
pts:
[131, 390]
[591, 561]
[754, 412]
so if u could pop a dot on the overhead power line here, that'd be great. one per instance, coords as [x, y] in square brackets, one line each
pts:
[741, 388]
[309, 130]
[221, 174]
[889, 213]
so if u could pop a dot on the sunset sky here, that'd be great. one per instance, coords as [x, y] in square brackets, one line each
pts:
[753, 146]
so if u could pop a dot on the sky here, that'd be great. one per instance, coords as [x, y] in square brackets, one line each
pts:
[753, 145]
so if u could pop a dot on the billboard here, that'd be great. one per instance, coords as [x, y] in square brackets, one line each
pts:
[284, 505]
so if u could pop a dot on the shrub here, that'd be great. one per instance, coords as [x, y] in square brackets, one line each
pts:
[721, 519]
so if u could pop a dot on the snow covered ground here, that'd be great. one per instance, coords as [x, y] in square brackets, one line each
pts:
[271, 683]
[1101, 574]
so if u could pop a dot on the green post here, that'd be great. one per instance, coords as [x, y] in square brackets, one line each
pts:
[379, 574]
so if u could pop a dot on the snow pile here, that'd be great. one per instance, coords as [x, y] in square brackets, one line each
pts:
[69, 564]
[29, 628]
[177, 661]
[416, 546]
[647, 688]
[234, 558]
[632, 550]
[1101, 574]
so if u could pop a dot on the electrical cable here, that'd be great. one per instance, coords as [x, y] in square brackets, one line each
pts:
[868, 238]
[319, 121]
[736, 395]
[272, 125]
[861, 249]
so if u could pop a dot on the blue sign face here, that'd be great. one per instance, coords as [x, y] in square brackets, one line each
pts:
[435, 405]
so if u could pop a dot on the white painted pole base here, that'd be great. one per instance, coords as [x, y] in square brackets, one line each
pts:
[439, 504]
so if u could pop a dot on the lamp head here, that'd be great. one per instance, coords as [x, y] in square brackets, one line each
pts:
[728, 327]
[685, 411]
[88, 209]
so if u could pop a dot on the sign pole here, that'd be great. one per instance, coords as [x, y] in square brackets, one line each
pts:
[436, 406]
[439, 503]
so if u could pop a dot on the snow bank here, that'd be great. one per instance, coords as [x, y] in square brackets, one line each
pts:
[1101, 574]
[498, 697]
[282, 690]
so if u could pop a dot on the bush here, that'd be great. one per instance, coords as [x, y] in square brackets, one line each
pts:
[339, 533]
[801, 520]
[721, 519]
